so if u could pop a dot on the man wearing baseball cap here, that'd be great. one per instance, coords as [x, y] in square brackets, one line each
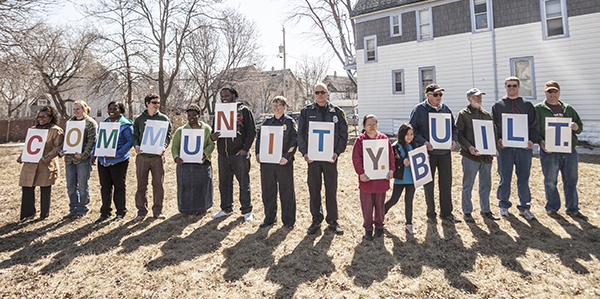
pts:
[566, 163]
[472, 161]
[438, 159]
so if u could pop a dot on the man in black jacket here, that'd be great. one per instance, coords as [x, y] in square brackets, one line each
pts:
[234, 158]
[323, 111]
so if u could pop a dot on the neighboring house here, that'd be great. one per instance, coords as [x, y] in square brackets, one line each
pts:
[404, 45]
[340, 88]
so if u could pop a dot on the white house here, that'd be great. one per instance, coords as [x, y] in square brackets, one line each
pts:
[403, 45]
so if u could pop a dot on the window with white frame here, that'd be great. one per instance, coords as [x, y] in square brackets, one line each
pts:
[42, 102]
[554, 21]
[371, 48]
[424, 24]
[480, 15]
[522, 68]
[426, 77]
[398, 81]
[395, 25]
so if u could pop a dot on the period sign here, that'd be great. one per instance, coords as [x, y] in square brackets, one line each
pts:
[515, 130]
[153, 140]
[34, 145]
[440, 130]
[485, 140]
[108, 137]
[73, 142]
[192, 145]
[419, 166]
[376, 158]
[558, 134]
[320, 140]
[271, 144]
[226, 119]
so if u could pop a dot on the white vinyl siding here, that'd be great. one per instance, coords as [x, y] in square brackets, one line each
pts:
[424, 28]
[395, 25]
[522, 68]
[554, 18]
[371, 48]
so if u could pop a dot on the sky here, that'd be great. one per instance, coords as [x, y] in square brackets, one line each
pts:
[269, 17]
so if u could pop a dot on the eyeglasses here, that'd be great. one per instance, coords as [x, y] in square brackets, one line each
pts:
[320, 92]
[552, 91]
[512, 85]
[155, 102]
[435, 95]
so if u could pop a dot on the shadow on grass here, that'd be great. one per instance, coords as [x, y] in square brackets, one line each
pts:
[306, 264]
[24, 238]
[243, 255]
[203, 240]
[371, 262]
[164, 230]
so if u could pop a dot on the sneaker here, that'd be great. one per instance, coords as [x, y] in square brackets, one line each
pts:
[469, 218]
[369, 235]
[266, 224]
[553, 214]
[28, 218]
[379, 232]
[161, 217]
[312, 229]
[577, 215]
[452, 219]
[504, 212]
[119, 217]
[527, 214]
[220, 214]
[248, 217]
[489, 215]
[432, 220]
[139, 219]
[410, 229]
[336, 228]
[102, 218]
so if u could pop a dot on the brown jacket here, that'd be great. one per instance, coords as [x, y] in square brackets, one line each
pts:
[45, 172]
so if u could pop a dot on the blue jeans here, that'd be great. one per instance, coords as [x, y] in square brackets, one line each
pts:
[567, 164]
[470, 170]
[78, 190]
[521, 160]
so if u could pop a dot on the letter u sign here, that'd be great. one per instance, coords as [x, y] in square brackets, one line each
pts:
[440, 130]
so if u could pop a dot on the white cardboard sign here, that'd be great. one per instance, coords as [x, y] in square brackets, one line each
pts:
[73, 142]
[440, 130]
[558, 134]
[515, 130]
[226, 119]
[108, 137]
[485, 140]
[35, 142]
[271, 144]
[320, 140]
[376, 158]
[153, 140]
[192, 145]
[419, 166]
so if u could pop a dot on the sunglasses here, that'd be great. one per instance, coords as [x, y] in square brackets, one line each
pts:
[320, 92]
[435, 95]
[155, 102]
[512, 85]
[552, 91]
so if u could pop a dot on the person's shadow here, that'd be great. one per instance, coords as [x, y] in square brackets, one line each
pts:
[307, 263]
[253, 251]
[203, 240]
[162, 231]
[24, 238]
[371, 262]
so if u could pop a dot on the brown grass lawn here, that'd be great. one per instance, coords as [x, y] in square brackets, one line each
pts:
[198, 257]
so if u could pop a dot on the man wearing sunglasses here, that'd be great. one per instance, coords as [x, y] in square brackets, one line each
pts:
[519, 158]
[149, 163]
[566, 163]
[322, 110]
[439, 159]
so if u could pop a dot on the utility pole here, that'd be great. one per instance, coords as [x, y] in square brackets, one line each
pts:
[282, 52]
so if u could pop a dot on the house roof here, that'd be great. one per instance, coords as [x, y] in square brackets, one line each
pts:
[339, 84]
[367, 6]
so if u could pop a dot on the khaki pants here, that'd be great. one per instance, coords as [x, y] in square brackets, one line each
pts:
[143, 166]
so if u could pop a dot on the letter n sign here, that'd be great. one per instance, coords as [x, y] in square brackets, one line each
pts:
[34, 145]
[226, 119]
[320, 140]
[419, 166]
[440, 130]
[108, 137]
[558, 134]
[271, 144]
[376, 158]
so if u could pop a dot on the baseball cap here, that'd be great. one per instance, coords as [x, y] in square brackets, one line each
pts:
[474, 91]
[551, 85]
[433, 88]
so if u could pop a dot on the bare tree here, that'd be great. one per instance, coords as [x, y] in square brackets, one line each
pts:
[216, 52]
[310, 71]
[16, 16]
[332, 19]
[17, 84]
[56, 55]
[169, 24]
[122, 50]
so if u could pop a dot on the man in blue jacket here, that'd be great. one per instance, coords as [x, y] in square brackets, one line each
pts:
[439, 159]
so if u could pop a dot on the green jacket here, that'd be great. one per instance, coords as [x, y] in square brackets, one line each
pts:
[544, 111]
[139, 125]
[209, 144]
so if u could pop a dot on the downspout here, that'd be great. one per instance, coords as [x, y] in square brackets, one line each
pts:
[494, 53]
